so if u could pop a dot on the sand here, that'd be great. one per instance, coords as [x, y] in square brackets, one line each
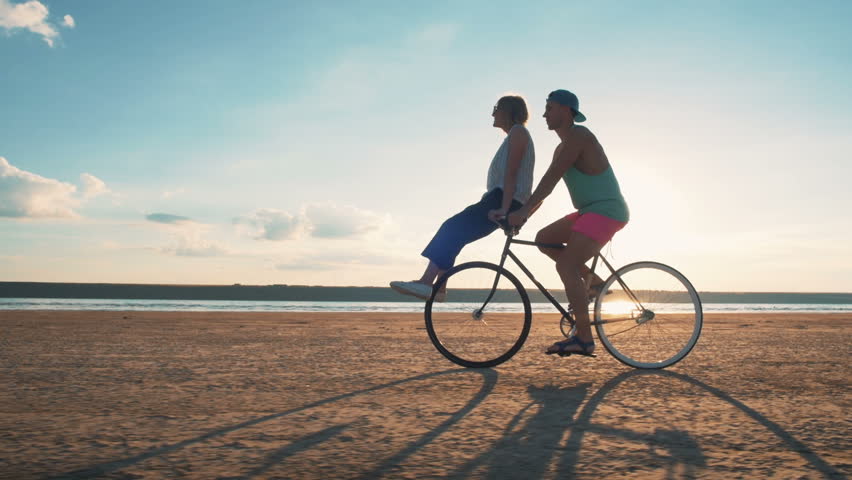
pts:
[345, 395]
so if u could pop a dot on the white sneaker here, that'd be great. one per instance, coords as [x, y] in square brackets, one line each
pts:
[417, 289]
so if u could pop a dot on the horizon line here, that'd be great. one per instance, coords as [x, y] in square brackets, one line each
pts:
[284, 285]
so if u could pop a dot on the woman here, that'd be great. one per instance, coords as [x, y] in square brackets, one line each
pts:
[580, 161]
[509, 185]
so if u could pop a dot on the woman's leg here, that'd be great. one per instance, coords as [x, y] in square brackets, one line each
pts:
[461, 229]
[432, 272]
[455, 233]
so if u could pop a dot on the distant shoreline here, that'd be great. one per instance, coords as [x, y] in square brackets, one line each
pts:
[320, 293]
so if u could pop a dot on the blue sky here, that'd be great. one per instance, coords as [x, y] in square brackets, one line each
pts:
[286, 142]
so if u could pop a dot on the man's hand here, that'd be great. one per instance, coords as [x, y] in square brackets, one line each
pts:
[497, 215]
[518, 218]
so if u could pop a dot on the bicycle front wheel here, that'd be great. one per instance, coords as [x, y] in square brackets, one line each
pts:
[486, 317]
[649, 316]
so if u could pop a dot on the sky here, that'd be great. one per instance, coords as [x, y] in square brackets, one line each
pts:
[323, 143]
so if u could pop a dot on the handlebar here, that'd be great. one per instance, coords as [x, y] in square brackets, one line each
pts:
[509, 230]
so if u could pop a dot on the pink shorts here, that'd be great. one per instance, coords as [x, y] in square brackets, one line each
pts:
[595, 226]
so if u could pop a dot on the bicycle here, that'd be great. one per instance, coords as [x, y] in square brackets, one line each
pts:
[647, 315]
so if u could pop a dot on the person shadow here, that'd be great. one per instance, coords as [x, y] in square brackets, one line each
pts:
[545, 437]
[530, 447]
[527, 449]
[488, 378]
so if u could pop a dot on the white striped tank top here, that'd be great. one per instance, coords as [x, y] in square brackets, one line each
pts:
[497, 170]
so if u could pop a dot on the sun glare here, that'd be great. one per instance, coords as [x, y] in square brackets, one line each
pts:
[618, 308]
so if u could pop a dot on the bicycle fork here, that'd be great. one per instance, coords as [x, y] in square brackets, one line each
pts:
[477, 314]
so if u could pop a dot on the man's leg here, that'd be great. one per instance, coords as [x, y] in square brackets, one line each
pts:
[558, 232]
[569, 265]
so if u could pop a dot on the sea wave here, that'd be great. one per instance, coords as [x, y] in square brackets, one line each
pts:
[394, 307]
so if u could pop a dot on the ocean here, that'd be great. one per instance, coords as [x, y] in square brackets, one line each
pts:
[329, 306]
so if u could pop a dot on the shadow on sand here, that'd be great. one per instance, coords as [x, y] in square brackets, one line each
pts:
[528, 446]
[532, 447]
[557, 411]
[489, 380]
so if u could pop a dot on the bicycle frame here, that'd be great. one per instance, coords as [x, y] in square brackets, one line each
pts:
[507, 252]
[454, 330]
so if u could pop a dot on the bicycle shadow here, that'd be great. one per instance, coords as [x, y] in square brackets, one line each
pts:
[795, 445]
[528, 447]
[489, 381]
[549, 432]
[305, 443]
[532, 447]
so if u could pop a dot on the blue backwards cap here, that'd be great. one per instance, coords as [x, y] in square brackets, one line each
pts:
[564, 97]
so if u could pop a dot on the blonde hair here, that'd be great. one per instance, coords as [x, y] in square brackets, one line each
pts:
[515, 107]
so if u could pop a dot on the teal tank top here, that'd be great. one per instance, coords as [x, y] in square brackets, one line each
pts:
[597, 194]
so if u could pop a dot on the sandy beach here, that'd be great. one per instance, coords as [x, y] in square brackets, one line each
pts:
[129, 395]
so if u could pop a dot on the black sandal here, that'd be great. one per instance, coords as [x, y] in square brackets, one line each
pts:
[586, 348]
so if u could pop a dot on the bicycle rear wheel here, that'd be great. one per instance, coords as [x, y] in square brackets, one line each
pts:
[479, 326]
[650, 317]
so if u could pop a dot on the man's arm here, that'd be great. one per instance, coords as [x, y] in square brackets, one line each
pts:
[563, 159]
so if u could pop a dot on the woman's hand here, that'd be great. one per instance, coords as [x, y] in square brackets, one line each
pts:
[497, 215]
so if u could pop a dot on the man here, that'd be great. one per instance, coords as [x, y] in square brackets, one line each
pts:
[579, 160]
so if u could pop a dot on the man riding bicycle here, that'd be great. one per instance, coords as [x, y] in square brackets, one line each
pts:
[579, 160]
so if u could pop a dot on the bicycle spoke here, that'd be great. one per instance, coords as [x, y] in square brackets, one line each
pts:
[623, 331]
[614, 320]
[466, 333]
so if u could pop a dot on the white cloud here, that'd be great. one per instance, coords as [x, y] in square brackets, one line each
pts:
[328, 220]
[270, 224]
[27, 195]
[324, 220]
[68, 21]
[31, 15]
[190, 244]
[188, 237]
[93, 186]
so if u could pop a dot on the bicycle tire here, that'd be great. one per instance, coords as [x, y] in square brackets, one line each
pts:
[451, 328]
[656, 328]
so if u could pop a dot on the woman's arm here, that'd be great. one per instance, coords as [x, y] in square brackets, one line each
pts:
[518, 141]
